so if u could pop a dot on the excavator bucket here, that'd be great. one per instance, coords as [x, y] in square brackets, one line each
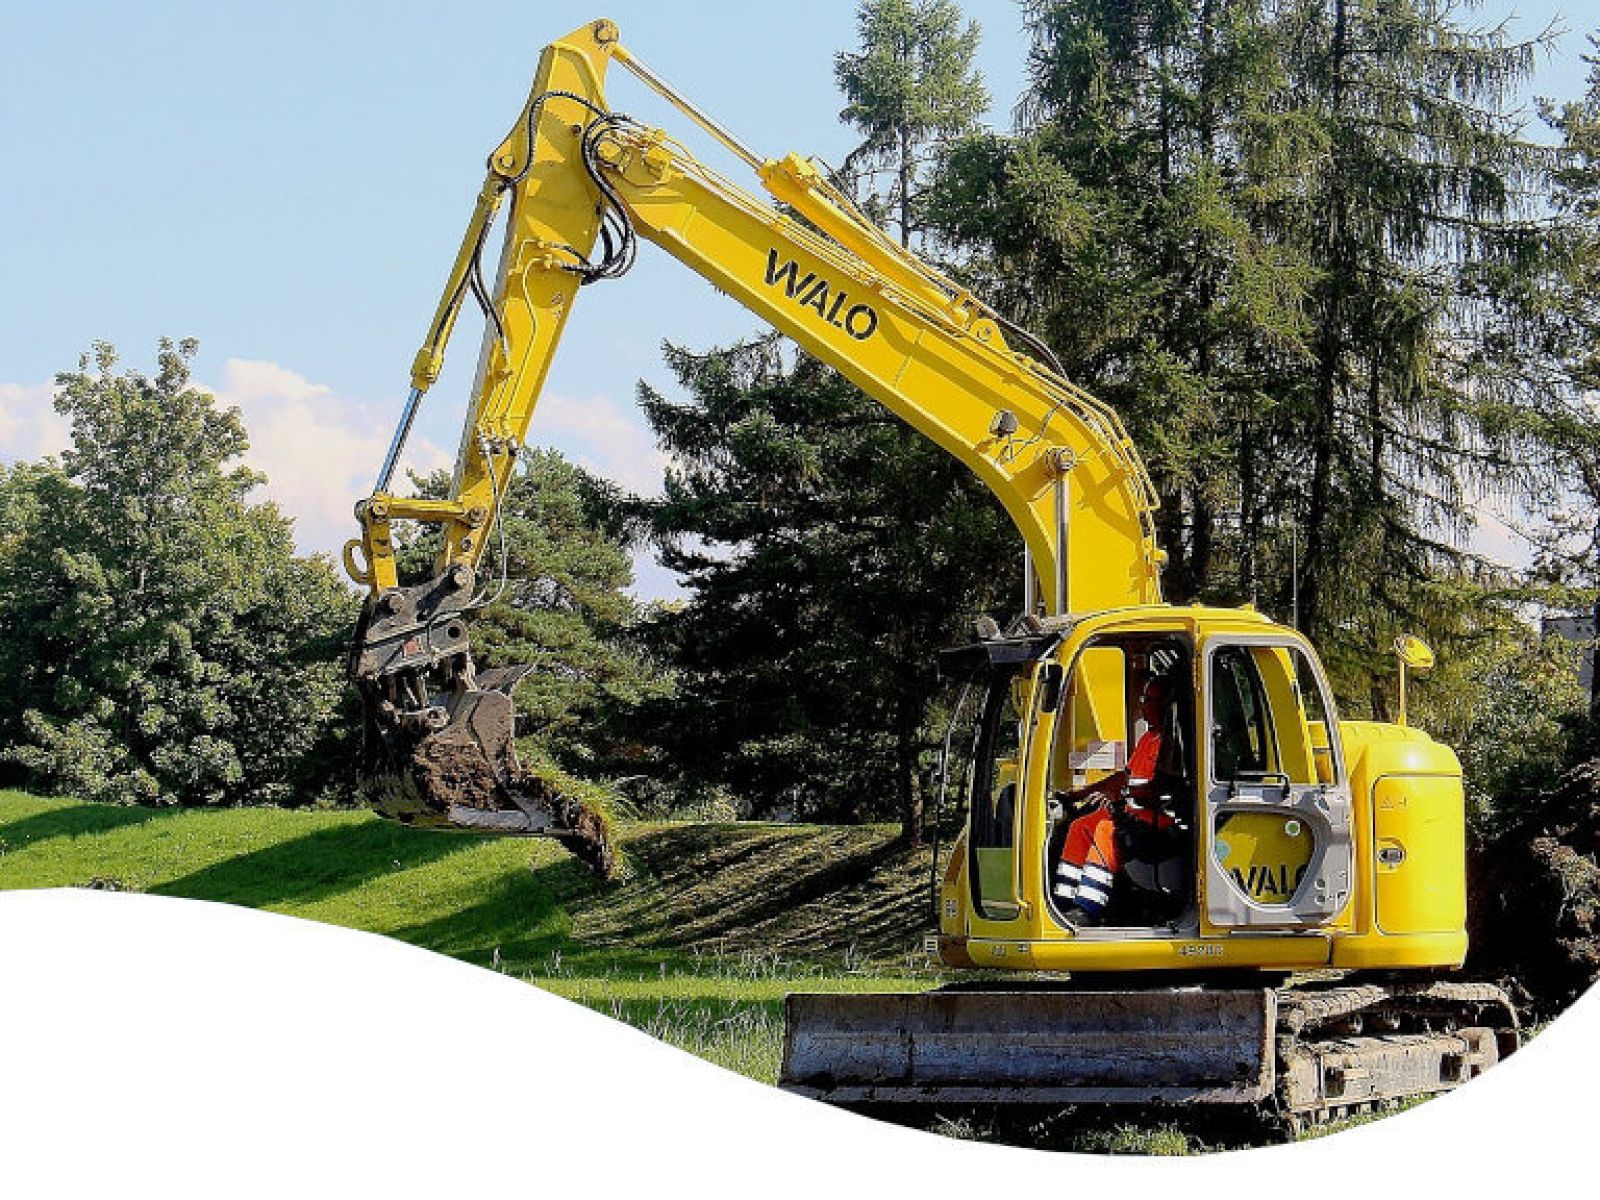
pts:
[1013, 1047]
[439, 744]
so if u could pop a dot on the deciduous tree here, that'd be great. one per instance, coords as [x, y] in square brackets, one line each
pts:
[168, 646]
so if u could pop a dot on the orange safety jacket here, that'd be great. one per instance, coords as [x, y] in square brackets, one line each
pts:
[1091, 857]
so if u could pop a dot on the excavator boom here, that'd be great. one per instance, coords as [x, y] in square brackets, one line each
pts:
[573, 176]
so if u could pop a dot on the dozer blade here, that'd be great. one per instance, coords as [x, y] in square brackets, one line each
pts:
[1031, 1047]
[447, 759]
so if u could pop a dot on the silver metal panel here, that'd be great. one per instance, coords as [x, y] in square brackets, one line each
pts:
[1031, 1047]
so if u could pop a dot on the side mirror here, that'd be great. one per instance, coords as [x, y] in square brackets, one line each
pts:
[1414, 654]
[1050, 687]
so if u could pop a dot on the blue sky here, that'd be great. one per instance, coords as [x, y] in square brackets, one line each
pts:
[288, 181]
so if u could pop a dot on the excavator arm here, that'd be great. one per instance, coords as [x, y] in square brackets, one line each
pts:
[580, 184]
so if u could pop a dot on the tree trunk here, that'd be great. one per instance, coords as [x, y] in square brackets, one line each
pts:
[1375, 432]
[1249, 514]
[1322, 450]
[1170, 533]
[1379, 693]
[905, 187]
[1330, 353]
[1203, 540]
[1594, 660]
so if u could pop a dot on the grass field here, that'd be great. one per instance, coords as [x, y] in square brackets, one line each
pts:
[712, 926]
[698, 945]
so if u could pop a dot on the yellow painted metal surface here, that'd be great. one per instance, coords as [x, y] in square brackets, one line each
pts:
[1095, 741]
[1372, 952]
[924, 348]
[1419, 862]
[1389, 765]
[1264, 854]
[1091, 953]
[997, 865]
[1293, 753]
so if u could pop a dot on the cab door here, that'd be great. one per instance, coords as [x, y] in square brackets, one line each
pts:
[1277, 842]
[998, 807]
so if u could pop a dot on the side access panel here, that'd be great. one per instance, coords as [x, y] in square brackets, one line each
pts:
[1031, 1047]
[1419, 833]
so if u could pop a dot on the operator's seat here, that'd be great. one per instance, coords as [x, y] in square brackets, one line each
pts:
[1158, 855]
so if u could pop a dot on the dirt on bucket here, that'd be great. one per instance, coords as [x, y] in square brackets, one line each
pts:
[467, 776]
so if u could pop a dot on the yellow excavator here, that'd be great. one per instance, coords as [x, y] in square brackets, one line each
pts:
[1254, 835]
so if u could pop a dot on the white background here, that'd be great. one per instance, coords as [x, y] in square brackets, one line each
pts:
[164, 1047]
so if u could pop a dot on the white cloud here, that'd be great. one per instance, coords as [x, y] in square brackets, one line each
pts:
[1494, 535]
[30, 427]
[603, 437]
[1493, 540]
[614, 442]
[320, 452]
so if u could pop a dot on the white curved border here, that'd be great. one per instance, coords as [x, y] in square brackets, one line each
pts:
[164, 1047]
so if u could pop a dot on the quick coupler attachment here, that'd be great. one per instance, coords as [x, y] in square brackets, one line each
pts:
[439, 739]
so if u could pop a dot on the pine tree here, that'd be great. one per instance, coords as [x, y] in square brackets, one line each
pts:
[910, 87]
[1569, 420]
[1413, 194]
[829, 552]
[1124, 222]
[1269, 231]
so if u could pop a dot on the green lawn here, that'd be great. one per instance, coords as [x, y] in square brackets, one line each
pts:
[699, 944]
[711, 927]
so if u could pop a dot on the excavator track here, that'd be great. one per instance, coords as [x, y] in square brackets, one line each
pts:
[1293, 1056]
[1347, 1049]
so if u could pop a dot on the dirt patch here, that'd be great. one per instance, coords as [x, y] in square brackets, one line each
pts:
[586, 835]
[467, 768]
[1535, 891]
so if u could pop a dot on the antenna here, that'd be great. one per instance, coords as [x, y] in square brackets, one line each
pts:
[1294, 567]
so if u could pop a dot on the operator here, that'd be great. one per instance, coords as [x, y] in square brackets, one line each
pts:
[1091, 857]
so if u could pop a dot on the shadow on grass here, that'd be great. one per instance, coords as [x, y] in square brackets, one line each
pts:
[74, 820]
[313, 867]
[808, 892]
[524, 918]
[516, 916]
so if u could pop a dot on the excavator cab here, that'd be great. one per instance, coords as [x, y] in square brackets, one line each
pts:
[1080, 719]
[1102, 719]
[1230, 805]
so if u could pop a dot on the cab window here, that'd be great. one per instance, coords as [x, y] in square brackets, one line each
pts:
[1242, 744]
[1269, 717]
[994, 800]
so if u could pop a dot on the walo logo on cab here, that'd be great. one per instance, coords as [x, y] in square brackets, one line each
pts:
[832, 304]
